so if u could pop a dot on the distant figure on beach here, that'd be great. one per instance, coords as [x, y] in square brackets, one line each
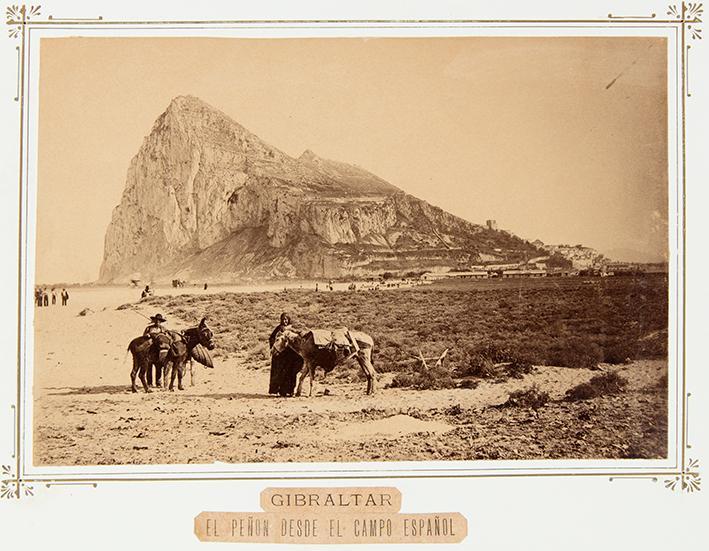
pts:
[147, 292]
[316, 287]
[65, 297]
[205, 286]
[54, 297]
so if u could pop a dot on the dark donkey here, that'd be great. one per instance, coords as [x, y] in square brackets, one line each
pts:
[183, 349]
[168, 350]
[314, 356]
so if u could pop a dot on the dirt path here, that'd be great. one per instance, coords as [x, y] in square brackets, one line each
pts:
[84, 412]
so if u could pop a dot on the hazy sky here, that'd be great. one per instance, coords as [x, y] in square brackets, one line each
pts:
[532, 132]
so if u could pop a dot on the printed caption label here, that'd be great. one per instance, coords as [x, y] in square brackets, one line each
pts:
[331, 515]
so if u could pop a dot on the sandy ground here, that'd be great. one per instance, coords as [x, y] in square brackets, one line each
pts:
[84, 412]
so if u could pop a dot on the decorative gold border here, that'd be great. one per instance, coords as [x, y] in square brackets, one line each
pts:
[686, 17]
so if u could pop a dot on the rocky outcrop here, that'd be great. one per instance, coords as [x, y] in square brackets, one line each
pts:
[206, 198]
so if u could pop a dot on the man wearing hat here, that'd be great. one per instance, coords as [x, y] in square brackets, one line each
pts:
[155, 328]
[161, 346]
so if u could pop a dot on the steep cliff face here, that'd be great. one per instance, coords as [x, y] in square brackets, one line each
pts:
[206, 198]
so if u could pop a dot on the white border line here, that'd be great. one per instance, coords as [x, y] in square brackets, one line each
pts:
[378, 469]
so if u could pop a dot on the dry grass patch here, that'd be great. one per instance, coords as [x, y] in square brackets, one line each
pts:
[600, 385]
[494, 329]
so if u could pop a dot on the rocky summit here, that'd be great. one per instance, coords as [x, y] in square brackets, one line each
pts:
[205, 199]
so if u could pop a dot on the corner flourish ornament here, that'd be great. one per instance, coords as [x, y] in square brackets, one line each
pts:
[690, 14]
[672, 11]
[694, 11]
[692, 17]
[17, 16]
[688, 480]
[12, 487]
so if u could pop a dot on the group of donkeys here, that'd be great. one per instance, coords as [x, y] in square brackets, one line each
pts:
[167, 351]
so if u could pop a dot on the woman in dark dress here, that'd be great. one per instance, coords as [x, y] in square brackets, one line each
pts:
[284, 366]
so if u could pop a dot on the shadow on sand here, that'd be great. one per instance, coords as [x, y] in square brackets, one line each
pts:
[104, 389]
[125, 389]
[236, 396]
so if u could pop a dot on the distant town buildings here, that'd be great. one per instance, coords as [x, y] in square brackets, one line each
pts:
[559, 261]
[622, 268]
[521, 272]
[434, 276]
[491, 224]
[532, 271]
[581, 257]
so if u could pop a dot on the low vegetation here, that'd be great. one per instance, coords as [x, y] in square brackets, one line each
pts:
[527, 398]
[491, 362]
[424, 379]
[600, 385]
[493, 329]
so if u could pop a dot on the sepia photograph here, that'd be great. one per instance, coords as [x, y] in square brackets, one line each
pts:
[346, 250]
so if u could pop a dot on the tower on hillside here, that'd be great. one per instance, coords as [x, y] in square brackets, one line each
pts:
[491, 224]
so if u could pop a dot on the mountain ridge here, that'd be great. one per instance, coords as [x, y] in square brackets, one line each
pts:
[207, 198]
